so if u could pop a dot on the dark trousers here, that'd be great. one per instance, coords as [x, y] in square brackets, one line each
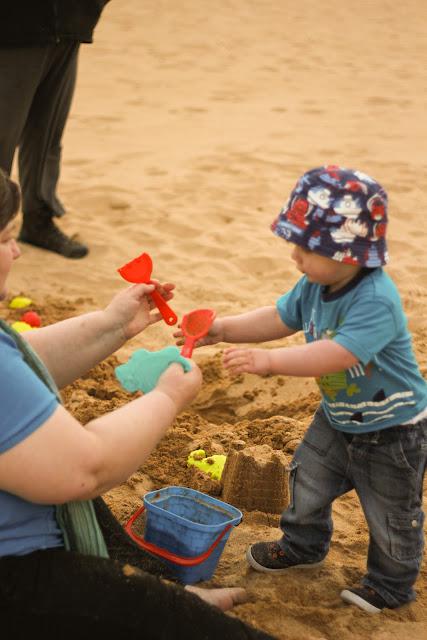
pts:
[36, 90]
[69, 596]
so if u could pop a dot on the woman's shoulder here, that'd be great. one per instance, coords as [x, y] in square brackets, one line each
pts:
[7, 346]
[11, 361]
[25, 400]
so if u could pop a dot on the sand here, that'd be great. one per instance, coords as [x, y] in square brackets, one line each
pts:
[187, 132]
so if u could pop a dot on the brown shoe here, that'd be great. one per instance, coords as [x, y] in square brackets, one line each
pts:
[46, 235]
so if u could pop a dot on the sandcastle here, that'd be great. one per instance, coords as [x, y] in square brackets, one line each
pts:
[256, 478]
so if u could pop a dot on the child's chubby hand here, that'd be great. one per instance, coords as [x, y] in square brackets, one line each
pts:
[214, 335]
[181, 387]
[132, 309]
[238, 360]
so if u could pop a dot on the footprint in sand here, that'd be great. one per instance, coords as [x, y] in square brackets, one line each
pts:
[119, 204]
[195, 109]
[155, 171]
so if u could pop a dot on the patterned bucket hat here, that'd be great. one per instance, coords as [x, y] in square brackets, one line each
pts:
[338, 213]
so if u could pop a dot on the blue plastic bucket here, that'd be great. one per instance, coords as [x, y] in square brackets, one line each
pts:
[188, 529]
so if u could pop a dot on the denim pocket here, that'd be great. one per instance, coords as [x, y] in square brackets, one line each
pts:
[319, 435]
[292, 470]
[406, 535]
[389, 472]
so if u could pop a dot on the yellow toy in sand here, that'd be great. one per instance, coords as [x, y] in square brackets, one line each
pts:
[212, 465]
[20, 302]
[20, 327]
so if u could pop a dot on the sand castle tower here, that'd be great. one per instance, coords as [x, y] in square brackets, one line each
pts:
[256, 478]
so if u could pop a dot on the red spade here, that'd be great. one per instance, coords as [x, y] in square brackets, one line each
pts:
[195, 325]
[139, 270]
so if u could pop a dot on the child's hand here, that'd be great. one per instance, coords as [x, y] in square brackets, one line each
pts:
[214, 335]
[179, 386]
[247, 361]
[132, 309]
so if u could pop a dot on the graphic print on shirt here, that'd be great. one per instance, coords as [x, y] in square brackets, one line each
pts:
[340, 390]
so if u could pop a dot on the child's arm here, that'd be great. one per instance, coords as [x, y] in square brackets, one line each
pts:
[312, 360]
[71, 347]
[260, 325]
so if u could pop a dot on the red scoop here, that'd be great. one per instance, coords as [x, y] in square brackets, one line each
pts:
[139, 270]
[195, 325]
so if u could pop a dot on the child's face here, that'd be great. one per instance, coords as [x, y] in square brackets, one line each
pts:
[321, 270]
[9, 251]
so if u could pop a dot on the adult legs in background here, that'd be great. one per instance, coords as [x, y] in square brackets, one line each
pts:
[36, 90]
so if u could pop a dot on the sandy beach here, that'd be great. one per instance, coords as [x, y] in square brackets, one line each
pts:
[188, 130]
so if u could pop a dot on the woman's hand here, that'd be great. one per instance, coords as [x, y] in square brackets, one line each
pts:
[181, 387]
[132, 309]
[214, 335]
[247, 361]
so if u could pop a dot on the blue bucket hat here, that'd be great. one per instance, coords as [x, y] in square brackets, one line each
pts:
[338, 213]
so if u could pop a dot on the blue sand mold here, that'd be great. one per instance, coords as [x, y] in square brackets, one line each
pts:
[144, 368]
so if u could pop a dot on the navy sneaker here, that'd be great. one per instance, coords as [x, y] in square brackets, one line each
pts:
[365, 598]
[270, 558]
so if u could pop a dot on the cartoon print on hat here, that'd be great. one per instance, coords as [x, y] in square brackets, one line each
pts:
[338, 213]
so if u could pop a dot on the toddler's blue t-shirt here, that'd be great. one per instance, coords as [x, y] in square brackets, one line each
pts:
[25, 404]
[366, 317]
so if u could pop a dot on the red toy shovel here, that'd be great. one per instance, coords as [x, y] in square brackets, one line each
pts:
[139, 270]
[195, 325]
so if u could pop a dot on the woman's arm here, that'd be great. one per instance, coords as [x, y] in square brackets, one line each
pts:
[63, 461]
[71, 347]
[314, 359]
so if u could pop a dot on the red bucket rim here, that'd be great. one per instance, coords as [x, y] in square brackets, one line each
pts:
[168, 555]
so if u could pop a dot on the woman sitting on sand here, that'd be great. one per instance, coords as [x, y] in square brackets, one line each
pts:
[65, 565]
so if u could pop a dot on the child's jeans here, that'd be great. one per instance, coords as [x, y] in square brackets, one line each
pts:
[386, 469]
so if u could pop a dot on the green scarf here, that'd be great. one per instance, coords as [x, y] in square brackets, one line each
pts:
[77, 520]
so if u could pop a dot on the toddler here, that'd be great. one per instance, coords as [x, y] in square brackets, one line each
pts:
[370, 430]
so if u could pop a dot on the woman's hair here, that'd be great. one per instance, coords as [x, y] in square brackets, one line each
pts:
[10, 199]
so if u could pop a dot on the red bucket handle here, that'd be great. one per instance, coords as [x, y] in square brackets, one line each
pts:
[164, 553]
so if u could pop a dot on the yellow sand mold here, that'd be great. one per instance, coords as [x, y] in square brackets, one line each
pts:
[212, 465]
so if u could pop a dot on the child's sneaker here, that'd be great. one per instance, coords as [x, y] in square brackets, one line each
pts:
[270, 558]
[365, 598]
